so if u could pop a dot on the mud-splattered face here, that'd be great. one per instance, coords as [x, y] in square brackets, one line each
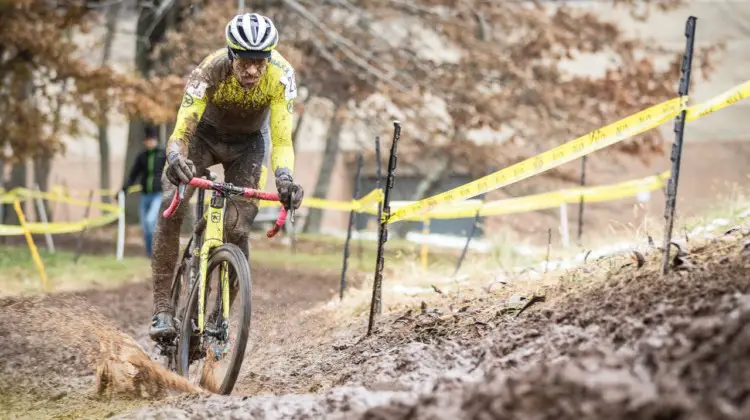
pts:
[249, 71]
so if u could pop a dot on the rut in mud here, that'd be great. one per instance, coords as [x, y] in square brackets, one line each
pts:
[632, 345]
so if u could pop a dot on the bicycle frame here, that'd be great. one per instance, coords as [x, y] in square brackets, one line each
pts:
[213, 235]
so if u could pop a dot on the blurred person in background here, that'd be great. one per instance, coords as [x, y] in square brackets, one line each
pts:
[147, 169]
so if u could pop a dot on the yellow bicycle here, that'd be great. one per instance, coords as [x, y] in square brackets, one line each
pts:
[206, 336]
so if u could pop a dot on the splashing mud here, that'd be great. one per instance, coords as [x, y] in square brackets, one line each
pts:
[86, 354]
[120, 365]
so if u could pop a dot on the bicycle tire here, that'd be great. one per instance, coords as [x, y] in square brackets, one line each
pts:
[232, 255]
[181, 276]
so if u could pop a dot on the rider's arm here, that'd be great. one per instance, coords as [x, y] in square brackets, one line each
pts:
[282, 109]
[191, 110]
[195, 97]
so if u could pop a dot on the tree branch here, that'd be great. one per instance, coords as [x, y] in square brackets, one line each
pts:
[346, 46]
[318, 44]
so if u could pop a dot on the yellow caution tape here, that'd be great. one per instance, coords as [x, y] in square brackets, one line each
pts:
[373, 197]
[549, 200]
[597, 139]
[730, 97]
[32, 246]
[451, 204]
[112, 213]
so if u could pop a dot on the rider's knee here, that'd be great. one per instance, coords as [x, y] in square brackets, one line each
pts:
[239, 219]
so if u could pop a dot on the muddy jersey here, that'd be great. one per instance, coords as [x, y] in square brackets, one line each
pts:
[217, 108]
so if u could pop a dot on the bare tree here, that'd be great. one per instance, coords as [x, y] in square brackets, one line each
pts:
[112, 13]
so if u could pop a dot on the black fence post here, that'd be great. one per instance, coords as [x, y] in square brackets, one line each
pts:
[79, 241]
[342, 285]
[679, 129]
[379, 173]
[377, 286]
[472, 231]
[580, 204]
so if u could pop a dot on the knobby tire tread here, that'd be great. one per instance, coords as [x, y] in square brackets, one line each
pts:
[233, 255]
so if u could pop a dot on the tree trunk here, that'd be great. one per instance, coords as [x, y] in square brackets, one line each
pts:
[104, 161]
[147, 35]
[42, 169]
[135, 133]
[325, 173]
[3, 208]
[17, 179]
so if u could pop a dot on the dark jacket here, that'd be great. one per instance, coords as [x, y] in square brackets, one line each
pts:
[148, 165]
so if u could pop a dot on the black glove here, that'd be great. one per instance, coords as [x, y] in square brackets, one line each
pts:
[180, 170]
[288, 190]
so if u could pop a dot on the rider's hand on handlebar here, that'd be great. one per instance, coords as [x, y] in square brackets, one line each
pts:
[180, 170]
[289, 190]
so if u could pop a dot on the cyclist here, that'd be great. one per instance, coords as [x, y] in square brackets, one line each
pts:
[236, 103]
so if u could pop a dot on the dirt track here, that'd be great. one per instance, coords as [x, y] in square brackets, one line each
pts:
[634, 345]
[47, 346]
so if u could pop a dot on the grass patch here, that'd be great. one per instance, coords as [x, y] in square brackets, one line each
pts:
[322, 252]
[21, 277]
[300, 260]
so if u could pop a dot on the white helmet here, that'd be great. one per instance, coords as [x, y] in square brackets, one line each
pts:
[251, 35]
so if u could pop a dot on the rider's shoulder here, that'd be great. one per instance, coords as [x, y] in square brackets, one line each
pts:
[280, 79]
[215, 66]
[278, 61]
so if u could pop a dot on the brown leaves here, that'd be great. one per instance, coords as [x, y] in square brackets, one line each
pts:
[42, 74]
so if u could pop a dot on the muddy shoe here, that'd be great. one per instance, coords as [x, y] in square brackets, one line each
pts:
[162, 327]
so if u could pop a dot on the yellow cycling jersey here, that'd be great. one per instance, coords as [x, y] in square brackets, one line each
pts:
[213, 96]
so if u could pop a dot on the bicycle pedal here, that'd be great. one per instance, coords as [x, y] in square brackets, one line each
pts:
[166, 348]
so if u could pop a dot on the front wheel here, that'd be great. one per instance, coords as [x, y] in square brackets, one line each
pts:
[219, 338]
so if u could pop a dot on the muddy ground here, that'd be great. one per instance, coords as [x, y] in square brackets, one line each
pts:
[625, 344]
[49, 350]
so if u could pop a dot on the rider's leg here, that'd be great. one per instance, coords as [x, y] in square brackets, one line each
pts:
[167, 243]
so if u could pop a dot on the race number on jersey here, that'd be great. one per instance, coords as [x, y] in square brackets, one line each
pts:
[290, 85]
[197, 89]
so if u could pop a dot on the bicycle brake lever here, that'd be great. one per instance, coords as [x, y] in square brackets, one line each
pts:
[291, 211]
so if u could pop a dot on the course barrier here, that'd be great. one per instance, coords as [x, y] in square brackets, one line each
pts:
[448, 205]
[547, 200]
[451, 204]
[368, 204]
[110, 214]
[598, 139]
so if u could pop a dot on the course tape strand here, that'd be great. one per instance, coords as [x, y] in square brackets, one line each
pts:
[548, 200]
[591, 142]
